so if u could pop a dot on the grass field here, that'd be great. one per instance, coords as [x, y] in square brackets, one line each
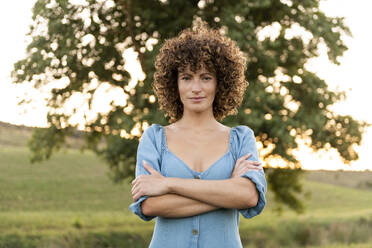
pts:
[69, 201]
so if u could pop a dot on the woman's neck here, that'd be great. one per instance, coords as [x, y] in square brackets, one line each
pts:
[201, 120]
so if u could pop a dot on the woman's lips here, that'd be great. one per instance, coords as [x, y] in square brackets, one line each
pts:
[197, 99]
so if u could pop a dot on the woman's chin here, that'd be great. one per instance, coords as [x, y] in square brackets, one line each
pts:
[197, 109]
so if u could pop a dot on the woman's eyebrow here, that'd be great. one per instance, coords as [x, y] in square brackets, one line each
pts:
[207, 73]
[189, 74]
[184, 73]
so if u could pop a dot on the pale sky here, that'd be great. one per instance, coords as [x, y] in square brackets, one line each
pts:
[352, 76]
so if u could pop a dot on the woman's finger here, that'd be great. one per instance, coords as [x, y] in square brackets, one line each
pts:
[255, 163]
[252, 162]
[252, 167]
[133, 188]
[151, 170]
[244, 157]
[246, 168]
[238, 168]
[136, 197]
[136, 193]
[242, 172]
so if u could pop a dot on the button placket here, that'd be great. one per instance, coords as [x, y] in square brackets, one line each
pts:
[195, 232]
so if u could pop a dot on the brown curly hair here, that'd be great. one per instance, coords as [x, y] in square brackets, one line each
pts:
[196, 47]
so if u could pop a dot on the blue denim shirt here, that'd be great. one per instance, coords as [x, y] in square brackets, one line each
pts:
[219, 228]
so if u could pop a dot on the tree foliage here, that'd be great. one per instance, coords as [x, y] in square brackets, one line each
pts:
[82, 42]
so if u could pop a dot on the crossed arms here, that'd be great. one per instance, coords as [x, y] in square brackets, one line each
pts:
[177, 197]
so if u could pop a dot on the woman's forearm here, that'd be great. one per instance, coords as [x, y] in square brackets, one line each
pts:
[238, 193]
[174, 206]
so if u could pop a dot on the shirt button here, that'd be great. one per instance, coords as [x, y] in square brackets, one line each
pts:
[194, 231]
[197, 177]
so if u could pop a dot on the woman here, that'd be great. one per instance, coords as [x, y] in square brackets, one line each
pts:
[195, 175]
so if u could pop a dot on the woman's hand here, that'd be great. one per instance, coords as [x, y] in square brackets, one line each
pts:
[150, 185]
[242, 166]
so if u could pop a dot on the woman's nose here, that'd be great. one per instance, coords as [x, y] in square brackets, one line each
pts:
[196, 86]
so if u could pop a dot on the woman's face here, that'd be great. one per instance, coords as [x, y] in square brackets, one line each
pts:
[197, 89]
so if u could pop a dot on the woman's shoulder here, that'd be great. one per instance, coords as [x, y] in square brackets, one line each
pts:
[240, 134]
[242, 129]
[152, 136]
[153, 132]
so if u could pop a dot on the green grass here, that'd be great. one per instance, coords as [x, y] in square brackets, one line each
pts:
[344, 246]
[70, 201]
[51, 195]
[71, 181]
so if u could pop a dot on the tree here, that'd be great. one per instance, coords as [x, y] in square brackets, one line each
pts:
[84, 41]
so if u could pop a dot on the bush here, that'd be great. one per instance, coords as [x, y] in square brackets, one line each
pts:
[76, 240]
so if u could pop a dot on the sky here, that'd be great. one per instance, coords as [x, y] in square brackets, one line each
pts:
[352, 76]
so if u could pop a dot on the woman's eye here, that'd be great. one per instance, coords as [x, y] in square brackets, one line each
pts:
[185, 78]
[207, 78]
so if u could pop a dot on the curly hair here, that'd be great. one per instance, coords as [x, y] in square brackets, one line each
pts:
[196, 47]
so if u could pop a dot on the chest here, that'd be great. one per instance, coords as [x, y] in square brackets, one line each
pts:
[198, 152]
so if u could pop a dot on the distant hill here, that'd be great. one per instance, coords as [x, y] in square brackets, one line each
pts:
[351, 179]
[18, 135]
[14, 135]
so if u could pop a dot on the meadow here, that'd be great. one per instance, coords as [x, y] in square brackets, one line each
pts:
[69, 201]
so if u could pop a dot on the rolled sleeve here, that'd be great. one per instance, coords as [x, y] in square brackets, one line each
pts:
[258, 178]
[149, 150]
[136, 208]
[247, 144]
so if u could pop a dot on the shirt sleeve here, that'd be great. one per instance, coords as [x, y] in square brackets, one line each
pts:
[149, 149]
[247, 144]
